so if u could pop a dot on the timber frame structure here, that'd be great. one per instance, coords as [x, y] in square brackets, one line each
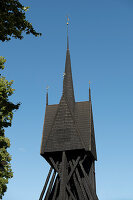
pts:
[68, 145]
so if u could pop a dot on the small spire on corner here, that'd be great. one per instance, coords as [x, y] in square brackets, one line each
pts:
[47, 95]
[89, 92]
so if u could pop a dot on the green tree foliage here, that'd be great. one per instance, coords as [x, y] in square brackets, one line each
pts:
[13, 20]
[6, 115]
[12, 24]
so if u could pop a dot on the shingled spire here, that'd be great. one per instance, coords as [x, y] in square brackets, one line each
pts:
[68, 90]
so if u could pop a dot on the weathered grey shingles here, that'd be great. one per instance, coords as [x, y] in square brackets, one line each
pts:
[63, 134]
[48, 120]
[82, 118]
[82, 115]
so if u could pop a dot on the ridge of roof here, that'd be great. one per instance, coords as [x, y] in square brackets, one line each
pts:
[77, 131]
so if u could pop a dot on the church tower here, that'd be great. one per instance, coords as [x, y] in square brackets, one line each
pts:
[68, 145]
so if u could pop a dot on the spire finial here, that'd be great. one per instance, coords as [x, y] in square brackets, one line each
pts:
[67, 32]
[89, 92]
[47, 95]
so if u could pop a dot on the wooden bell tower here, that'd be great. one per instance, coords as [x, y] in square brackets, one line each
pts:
[68, 145]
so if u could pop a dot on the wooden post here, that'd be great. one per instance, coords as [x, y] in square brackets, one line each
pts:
[63, 177]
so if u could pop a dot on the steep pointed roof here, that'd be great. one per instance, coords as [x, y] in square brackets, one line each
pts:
[69, 124]
[67, 130]
[64, 133]
[58, 120]
[68, 90]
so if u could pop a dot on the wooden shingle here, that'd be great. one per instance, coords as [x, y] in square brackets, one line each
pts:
[59, 130]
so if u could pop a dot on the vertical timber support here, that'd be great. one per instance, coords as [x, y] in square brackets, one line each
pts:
[77, 185]
[56, 188]
[63, 177]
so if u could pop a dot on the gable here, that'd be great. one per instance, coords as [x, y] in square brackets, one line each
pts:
[64, 134]
[62, 129]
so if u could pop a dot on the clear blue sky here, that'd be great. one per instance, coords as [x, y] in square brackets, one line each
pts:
[101, 48]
